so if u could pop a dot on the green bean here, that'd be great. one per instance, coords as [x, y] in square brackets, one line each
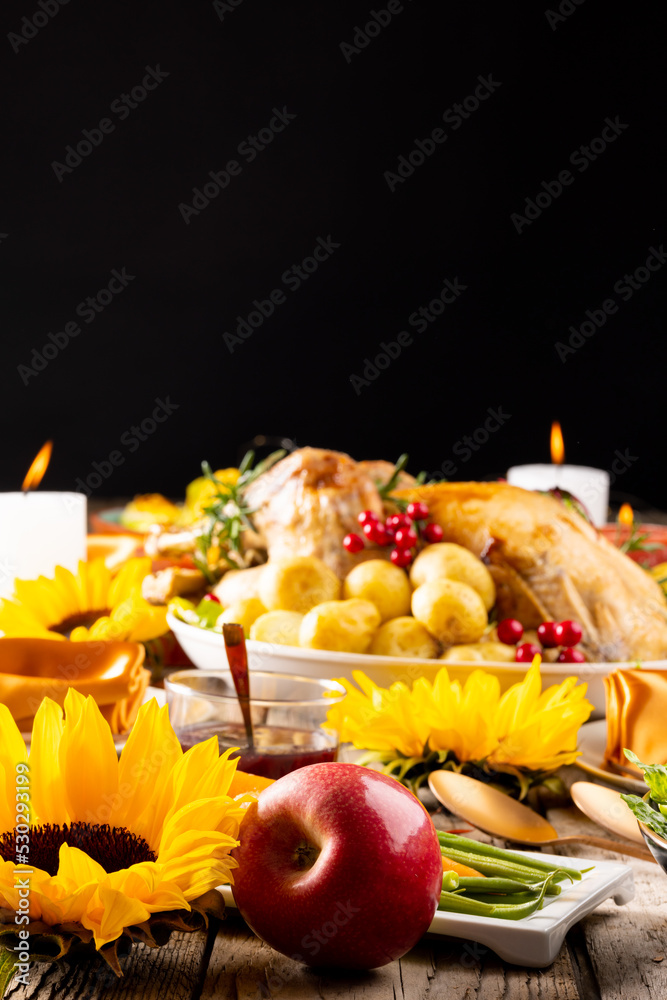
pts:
[510, 899]
[488, 850]
[450, 880]
[490, 866]
[511, 911]
[500, 885]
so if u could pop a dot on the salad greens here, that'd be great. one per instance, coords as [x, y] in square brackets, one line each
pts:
[204, 615]
[655, 776]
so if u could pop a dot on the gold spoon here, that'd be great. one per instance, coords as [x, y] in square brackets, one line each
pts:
[499, 815]
[606, 808]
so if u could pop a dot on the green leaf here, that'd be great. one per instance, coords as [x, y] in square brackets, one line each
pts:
[385, 490]
[646, 815]
[655, 776]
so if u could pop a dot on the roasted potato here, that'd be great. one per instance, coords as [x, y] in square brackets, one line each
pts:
[280, 627]
[463, 652]
[453, 562]
[238, 584]
[343, 626]
[452, 612]
[297, 584]
[244, 612]
[383, 584]
[497, 651]
[404, 636]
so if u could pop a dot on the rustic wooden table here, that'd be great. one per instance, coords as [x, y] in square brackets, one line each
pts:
[617, 953]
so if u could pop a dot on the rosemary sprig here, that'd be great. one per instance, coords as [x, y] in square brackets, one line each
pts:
[385, 489]
[636, 541]
[228, 514]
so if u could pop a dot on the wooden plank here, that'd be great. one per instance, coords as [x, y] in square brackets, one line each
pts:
[244, 968]
[174, 971]
[623, 942]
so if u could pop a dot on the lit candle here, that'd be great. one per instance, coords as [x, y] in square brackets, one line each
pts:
[39, 531]
[590, 486]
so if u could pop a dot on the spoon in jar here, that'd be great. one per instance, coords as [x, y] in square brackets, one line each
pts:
[497, 814]
[237, 657]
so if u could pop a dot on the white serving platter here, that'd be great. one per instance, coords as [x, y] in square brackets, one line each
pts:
[536, 940]
[206, 649]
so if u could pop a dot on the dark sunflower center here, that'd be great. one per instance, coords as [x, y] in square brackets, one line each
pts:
[113, 847]
[85, 618]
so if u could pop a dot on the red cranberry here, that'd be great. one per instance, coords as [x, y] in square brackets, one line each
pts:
[417, 511]
[367, 517]
[352, 543]
[571, 656]
[546, 633]
[211, 597]
[395, 521]
[433, 533]
[526, 652]
[401, 557]
[510, 631]
[568, 633]
[376, 532]
[405, 538]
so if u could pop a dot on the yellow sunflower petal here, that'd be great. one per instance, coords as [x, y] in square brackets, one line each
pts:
[89, 765]
[109, 911]
[46, 785]
[203, 814]
[518, 701]
[59, 901]
[12, 752]
[146, 883]
[75, 864]
[146, 774]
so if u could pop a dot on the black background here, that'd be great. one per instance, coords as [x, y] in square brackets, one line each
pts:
[324, 176]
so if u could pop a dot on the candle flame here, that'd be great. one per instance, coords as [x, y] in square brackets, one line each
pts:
[557, 445]
[38, 468]
[626, 516]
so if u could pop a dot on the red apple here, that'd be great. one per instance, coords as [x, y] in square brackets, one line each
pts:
[339, 865]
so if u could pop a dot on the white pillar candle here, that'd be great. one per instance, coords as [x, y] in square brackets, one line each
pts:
[39, 531]
[591, 486]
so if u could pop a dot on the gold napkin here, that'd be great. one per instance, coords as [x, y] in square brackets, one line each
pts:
[112, 672]
[636, 717]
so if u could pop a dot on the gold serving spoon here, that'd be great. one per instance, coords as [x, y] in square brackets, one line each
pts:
[606, 808]
[499, 815]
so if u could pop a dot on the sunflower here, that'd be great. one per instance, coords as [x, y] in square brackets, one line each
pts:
[90, 604]
[109, 843]
[524, 733]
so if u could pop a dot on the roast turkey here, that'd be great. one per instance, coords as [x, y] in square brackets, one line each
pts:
[549, 564]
